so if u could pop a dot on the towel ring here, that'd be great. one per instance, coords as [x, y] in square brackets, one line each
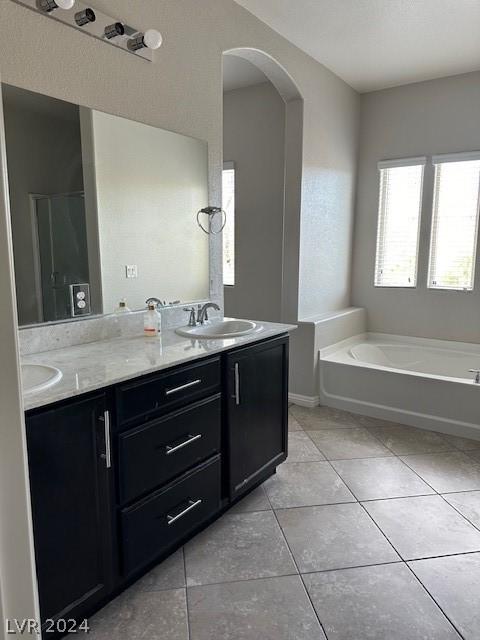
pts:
[211, 212]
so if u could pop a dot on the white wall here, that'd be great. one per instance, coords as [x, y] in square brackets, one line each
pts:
[149, 185]
[438, 116]
[182, 91]
[254, 140]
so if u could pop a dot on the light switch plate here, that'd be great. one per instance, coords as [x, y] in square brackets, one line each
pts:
[131, 271]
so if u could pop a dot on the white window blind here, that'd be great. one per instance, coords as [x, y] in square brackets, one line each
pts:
[454, 222]
[228, 205]
[400, 202]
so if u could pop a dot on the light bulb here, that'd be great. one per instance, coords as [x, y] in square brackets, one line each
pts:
[152, 39]
[64, 4]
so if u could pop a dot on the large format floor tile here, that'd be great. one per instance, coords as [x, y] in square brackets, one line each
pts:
[376, 603]
[293, 425]
[423, 527]
[446, 472]
[464, 444]
[334, 537]
[238, 547]
[302, 449]
[342, 444]
[454, 582]
[271, 609]
[378, 478]
[256, 500]
[468, 503]
[404, 440]
[323, 418]
[306, 483]
[136, 615]
[169, 574]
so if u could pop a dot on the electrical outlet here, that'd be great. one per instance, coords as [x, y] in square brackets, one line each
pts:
[131, 271]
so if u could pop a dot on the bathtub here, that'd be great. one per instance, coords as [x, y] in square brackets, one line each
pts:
[416, 381]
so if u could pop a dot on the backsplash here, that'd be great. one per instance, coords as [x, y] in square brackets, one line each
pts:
[47, 337]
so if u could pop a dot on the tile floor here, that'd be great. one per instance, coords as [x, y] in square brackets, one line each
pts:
[369, 531]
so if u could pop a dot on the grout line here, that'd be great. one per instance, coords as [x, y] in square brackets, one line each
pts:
[299, 574]
[186, 594]
[434, 600]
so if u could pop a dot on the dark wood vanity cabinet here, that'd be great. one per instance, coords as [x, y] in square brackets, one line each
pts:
[119, 479]
[70, 484]
[257, 412]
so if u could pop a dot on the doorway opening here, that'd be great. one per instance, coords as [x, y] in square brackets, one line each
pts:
[262, 150]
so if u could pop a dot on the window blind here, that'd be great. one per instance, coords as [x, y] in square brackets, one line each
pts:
[400, 199]
[455, 216]
[228, 205]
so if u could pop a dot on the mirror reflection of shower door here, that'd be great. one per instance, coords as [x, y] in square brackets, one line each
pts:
[62, 252]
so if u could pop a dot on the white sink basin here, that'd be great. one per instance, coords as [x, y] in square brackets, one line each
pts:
[220, 329]
[37, 377]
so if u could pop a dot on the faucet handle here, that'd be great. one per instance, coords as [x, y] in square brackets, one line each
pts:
[191, 321]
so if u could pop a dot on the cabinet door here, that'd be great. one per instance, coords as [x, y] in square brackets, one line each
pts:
[257, 412]
[70, 484]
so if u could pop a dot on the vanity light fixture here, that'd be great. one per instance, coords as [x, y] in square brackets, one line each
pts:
[51, 5]
[114, 30]
[85, 17]
[81, 15]
[151, 39]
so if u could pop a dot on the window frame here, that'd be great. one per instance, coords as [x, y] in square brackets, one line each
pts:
[393, 164]
[438, 160]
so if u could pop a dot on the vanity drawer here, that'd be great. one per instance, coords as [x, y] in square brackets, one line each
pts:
[161, 520]
[140, 399]
[153, 454]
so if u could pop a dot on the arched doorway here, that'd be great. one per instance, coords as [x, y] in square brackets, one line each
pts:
[263, 122]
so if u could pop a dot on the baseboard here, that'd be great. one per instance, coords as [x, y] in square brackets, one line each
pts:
[304, 401]
[401, 416]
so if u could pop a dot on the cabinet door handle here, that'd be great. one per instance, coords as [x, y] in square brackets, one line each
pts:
[192, 505]
[237, 383]
[108, 450]
[171, 449]
[169, 392]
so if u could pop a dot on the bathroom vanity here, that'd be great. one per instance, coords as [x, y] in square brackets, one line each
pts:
[126, 466]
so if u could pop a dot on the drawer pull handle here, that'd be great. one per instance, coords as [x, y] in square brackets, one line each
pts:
[169, 392]
[192, 505]
[171, 449]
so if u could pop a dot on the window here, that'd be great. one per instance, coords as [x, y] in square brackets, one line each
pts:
[228, 205]
[454, 222]
[400, 200]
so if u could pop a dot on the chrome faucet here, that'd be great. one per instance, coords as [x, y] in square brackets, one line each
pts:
[202, 315]
[477, 375]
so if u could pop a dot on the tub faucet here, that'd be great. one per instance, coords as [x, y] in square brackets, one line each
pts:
[477, 375]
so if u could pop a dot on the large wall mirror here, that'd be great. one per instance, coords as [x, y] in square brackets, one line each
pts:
[103, 209]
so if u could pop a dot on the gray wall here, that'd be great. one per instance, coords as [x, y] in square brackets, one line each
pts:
[44, 157]
[182, 91]
[254, 139]
[438, 116]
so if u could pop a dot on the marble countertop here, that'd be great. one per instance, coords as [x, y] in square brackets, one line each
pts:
[95, 365]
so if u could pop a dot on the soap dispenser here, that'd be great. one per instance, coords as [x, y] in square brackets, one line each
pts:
[152, 321]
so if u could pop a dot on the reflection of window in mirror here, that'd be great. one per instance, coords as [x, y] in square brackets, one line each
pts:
[228, 205]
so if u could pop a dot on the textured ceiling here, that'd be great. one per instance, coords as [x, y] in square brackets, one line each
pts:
[373, 44]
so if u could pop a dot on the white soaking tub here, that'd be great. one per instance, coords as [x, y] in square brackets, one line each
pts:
[415, 381]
